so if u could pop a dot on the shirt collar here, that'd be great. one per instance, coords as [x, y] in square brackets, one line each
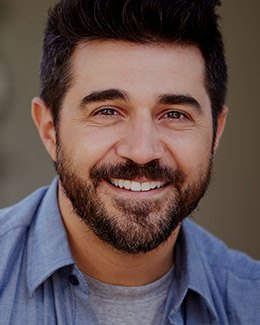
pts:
[190, 270]
[48, 248]
[48, 251]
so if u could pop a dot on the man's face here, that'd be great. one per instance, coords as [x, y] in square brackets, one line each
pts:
[134, 140]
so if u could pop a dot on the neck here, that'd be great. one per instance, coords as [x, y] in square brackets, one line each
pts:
[101, 261]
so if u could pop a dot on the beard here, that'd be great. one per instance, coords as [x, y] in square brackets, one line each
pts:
[131, 226]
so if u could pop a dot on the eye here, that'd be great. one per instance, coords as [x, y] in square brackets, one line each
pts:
[175, 115]
[108, 111]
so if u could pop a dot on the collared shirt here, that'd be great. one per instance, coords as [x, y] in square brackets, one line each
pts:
[41, 284]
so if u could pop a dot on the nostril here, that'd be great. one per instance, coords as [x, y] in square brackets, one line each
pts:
[140, 151]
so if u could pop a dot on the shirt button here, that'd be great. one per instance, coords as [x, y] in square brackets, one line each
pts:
[73, 279]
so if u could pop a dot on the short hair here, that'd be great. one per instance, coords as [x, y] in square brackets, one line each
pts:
[191, 22]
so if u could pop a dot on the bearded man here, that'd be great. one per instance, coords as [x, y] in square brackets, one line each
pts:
[131, 111]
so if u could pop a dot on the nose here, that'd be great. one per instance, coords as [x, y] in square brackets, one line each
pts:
[141, 141]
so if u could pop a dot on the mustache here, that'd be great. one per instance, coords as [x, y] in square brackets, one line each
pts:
[130, 170]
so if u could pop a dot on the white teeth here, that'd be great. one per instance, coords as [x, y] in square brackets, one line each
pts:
[116, 182]
[127, 185]
[136, 186]
[146, 186]
[154, 185]
[121, 183]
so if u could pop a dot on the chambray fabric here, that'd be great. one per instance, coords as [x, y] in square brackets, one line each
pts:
[41, 284]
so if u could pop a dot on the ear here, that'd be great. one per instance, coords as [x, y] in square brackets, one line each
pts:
[222, 118]
[44, 122]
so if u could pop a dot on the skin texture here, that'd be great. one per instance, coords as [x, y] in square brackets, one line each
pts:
[141, 126]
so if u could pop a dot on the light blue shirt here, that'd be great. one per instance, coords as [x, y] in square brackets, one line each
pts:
[41, 284]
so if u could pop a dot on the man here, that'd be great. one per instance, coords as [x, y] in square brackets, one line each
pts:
[131, 111]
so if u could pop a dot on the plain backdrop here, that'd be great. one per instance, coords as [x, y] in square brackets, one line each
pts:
[230, 208]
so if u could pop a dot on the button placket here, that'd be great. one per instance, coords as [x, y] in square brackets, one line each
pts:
[73, 279]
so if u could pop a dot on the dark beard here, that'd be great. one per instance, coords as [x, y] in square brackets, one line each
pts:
[137, 226]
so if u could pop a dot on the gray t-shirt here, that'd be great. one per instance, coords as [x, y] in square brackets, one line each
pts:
[115, 305]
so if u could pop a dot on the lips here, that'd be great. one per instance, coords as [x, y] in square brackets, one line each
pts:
[136, 186]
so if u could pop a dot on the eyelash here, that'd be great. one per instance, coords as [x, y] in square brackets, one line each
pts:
[178, 116]
[106, 111]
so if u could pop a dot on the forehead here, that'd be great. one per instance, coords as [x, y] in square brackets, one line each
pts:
[151, 68]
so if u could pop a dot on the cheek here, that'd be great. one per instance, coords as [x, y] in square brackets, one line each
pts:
[90, 144]
[191, 152]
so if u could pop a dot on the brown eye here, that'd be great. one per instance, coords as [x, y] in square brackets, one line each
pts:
[174, 115]
[107, 111]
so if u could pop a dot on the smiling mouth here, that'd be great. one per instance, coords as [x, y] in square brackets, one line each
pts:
[136, 186]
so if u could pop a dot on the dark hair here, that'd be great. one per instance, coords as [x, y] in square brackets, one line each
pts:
[140, 21]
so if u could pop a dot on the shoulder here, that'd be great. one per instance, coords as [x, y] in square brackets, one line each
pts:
[232, 276]
[20, 215]
[218, 256]
[15, 222]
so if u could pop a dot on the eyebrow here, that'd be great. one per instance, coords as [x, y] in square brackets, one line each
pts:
[172, 99]
[103, 95]
[117, 94]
